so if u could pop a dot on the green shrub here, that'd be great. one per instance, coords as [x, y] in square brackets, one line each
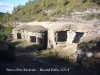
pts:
[91, 46]
[3, 38]
[53, 20]
[84, 1]
[88, 46]
[95, 25]
[90, 63]
[97, 16]
[44, 14]
[43, 18]
[96, 1]
[8, 54]
[89, 16]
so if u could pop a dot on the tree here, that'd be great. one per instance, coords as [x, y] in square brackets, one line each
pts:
[63, 2]
[84, 1]
[1, 26]
[8, 30]
[6, 17]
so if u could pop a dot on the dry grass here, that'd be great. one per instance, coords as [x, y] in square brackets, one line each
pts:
[67, 52]
[26, 55]
[50, 57]
[22, 43]
[47, 55]
[90, 37]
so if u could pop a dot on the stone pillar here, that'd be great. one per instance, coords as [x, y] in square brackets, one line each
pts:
[70, 36]
[49, 40]
[56, 37]
[36, 37]
[53, 39]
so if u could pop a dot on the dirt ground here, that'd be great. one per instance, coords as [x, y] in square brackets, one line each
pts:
[25, 65]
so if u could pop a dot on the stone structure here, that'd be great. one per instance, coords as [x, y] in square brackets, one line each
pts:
[57, 33]
[64, 37]
[33, 33]
[67, 34]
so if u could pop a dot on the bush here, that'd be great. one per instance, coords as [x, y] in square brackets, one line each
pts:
[91, 16]
[88, 46]
[44, 14]
[95, 25]
[90, 63]
[3, 38]
[8, 55]
[53, 20]
[97, 16]
[84, 1]
[43, 18]
[88, 16]
[92, 46]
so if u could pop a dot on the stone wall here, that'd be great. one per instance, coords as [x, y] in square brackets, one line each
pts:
[51, 38]
[51, 42]
[70, 37]
[26, 34]
[51, 33]
[37, 34]
[15, 32]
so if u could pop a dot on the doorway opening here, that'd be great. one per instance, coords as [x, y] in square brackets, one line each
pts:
[19, 36]
[77, 37]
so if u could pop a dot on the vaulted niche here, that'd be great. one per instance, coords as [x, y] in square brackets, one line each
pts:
[77, 37]
[19, 36]
[33, 38]
[61, 36]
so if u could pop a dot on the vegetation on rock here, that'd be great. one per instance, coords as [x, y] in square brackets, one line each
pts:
[5, 32]
[90, 58]
[46, 10]
[4, 17]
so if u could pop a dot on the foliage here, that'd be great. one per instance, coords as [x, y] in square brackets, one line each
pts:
[1, 27]
[84, 1]
[91, 16]
[36, 10]
[4, 17]
[5, 32]
[96, 1]
[52, 20]
[95, 25]
[2, 35]
[3, 38]
[92, 45]
[8, 30]
[43, 18]
[8, 54]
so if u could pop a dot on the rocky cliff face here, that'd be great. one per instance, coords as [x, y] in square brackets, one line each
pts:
[89, 17]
